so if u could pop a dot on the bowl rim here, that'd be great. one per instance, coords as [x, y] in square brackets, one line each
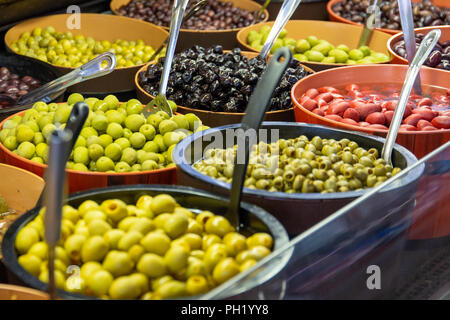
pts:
[34, 175]
[313, 63]
[184, 166]
[395, 37]
[10, 256]
[351, 127]
[71, 171]
[68, 69]
[42, 65]
[216, 113]
[343, 20]
[266, 12]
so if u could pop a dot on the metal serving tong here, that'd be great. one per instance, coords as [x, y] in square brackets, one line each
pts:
[257, 106]
[407, 21]
[160, 102]
[370, 24]
[48, 92]
[422, 54]
[196, 8]
[61, 144]
[287, 10]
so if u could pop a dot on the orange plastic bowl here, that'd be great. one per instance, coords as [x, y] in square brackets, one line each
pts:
[81, 180]
[12, 292]
[445, 36]
[420, 143]
[212, 118]
[334, 17]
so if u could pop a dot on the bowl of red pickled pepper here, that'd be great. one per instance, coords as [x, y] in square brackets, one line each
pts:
[364, 98]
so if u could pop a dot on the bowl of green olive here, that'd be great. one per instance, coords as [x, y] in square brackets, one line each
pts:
[117, 144]
[50, 40]
[145, 242]
[302, 177]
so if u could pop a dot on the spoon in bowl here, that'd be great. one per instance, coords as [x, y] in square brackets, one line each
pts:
[257, 106]
[160, 102]
[188, 15]
[424, 50]
[92, 69]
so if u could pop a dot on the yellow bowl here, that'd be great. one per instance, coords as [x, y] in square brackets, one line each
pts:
[335, 33]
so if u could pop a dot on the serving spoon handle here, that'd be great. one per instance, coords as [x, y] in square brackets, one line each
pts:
[422, 54]
[257, 106]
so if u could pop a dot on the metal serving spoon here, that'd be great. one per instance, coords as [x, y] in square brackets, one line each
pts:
[90, 70]
[407, 21]
[188, 15]
[422, 54]
[160, 102]
[287, 10]
[258, 104]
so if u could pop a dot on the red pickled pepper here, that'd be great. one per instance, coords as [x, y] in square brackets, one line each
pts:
[368, 106]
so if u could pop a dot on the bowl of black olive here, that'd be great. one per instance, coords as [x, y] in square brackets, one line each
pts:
[425, 13]
[440, 56]
[217, 22]
[216, 84]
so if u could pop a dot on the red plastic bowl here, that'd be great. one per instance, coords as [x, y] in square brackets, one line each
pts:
[81, 180]
[420, 143]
